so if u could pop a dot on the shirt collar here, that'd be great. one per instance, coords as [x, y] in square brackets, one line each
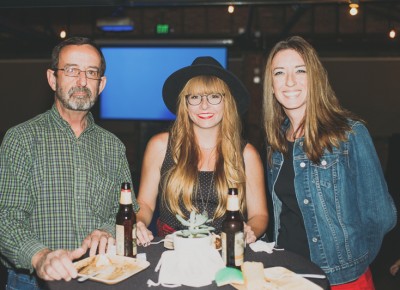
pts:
[64, 124]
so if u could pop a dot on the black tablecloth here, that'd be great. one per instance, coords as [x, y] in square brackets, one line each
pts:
[285, 259]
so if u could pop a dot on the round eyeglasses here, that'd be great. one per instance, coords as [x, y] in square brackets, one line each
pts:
[70, 71]
[212, 99]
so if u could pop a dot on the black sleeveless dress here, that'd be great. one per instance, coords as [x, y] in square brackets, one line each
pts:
[206, 199]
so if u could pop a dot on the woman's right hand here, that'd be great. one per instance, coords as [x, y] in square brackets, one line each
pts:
[144, 235]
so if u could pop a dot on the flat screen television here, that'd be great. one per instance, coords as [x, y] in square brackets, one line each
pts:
[136, 74]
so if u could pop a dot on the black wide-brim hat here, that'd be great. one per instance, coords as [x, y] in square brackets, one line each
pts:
[204, 66]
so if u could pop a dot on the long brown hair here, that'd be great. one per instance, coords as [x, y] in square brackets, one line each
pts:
[181, 181]
[325, 122]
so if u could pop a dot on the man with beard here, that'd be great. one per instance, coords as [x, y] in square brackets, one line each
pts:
[60, 176]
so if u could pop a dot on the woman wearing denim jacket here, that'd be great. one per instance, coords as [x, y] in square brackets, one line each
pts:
[330, 198]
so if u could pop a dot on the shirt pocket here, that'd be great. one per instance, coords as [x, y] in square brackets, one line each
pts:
[104, 196]
[276, 163]
[326, 173]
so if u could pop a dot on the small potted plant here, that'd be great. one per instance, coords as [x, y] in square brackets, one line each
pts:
[197, 234]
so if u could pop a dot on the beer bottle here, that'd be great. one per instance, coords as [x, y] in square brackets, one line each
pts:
[126, 224]
[232, 235]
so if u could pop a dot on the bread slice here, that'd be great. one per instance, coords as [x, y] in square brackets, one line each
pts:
[253, 274]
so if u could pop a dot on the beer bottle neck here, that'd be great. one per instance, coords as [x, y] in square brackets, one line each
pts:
[126, 197]
[233, 203]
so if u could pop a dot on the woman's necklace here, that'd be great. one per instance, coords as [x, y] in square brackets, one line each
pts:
[205, 205]
[205, 213]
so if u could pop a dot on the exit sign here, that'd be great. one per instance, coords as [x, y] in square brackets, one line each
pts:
[162, 28]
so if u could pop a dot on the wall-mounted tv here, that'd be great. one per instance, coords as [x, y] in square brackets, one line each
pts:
[136, 74]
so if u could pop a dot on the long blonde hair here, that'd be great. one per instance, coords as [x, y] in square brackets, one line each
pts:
[325, 122]
[181, 181]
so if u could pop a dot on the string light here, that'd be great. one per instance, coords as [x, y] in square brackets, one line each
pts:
[392, 33]
[231, 9]
[256, 77]
[63, 34]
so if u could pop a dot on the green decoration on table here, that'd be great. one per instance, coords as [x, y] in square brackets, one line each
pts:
[196, 226]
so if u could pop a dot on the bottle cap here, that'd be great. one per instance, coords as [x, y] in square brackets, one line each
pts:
[233, 191]
[126, 186]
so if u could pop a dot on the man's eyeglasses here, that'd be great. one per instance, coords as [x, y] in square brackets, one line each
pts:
[91, 73]
[213, 99]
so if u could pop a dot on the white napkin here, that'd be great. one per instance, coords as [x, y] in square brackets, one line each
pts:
[195, 270]
[261, 246]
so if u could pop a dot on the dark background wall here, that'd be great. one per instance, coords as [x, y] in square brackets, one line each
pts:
[366, 86]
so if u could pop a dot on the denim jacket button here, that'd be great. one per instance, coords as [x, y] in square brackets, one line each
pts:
[314, 240]
[302, 165]
[323, 162]
[306, 201]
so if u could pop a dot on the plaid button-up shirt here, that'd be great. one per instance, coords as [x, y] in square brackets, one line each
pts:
[55, 188]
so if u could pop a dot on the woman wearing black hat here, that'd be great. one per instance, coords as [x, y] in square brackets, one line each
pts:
[192, 166]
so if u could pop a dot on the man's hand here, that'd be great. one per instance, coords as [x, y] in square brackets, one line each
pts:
[56, 265]
[97, 239]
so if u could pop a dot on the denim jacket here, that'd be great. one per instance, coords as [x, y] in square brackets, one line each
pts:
[344, 201]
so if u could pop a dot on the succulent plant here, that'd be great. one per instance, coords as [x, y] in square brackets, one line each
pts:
[196, 225]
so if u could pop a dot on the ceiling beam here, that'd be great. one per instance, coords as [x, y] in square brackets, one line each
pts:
[299, 12]
[158, 3]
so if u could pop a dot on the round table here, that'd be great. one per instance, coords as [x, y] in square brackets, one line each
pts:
[282, 258]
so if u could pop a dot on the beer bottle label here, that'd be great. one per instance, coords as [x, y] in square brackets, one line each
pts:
[239, 248]
[233, 203]
[126, 197]
[119, 235]
[224, 248]
[134, 241]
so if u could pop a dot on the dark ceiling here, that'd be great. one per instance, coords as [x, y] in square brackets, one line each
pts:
[30, 28]
[158, 3]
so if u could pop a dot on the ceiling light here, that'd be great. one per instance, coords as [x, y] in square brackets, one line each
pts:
[353, 7]
[231, 9]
